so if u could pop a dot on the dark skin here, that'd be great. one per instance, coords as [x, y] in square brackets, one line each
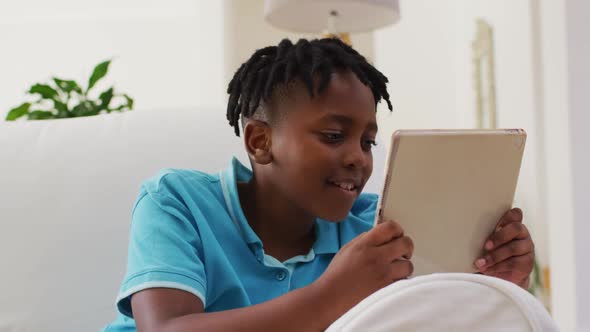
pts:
[295, 177]
[313, 162]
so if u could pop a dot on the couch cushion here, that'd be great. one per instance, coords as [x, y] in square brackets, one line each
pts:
[66, 192]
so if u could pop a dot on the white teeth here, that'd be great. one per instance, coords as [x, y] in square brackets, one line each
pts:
[346, 186]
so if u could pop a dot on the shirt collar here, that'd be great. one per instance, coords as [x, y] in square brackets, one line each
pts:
[235, 173]
[327, 237]
[327, 233]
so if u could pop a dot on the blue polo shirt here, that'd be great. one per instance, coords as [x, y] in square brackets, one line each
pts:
[188, 232]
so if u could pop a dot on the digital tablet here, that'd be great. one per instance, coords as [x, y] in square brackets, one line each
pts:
[448, 189]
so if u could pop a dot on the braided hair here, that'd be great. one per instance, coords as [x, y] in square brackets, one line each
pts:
[311, 62]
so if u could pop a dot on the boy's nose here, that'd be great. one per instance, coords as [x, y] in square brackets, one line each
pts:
[355, 157]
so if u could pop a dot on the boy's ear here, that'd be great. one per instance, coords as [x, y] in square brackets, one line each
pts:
[257, 138]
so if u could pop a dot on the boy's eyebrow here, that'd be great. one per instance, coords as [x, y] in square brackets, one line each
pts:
[345, 120]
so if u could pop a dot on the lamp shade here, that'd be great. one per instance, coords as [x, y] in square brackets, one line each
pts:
[313, 16]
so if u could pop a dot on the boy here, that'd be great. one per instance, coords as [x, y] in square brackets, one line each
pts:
[289, 245]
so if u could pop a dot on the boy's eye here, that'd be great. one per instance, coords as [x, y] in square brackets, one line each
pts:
[368, 144]
[333, 137]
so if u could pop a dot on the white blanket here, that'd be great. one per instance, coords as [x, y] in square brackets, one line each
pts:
[448, 302]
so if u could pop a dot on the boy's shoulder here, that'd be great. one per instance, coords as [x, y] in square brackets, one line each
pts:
[185, 189]
[175, 180]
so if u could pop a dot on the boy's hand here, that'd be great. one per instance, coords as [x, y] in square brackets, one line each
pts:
[366, 264]
[509, 251]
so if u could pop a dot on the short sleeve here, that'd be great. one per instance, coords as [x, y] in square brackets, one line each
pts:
[164, 250]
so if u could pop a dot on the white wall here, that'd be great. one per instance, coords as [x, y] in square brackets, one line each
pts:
[566, 80]
[166, 53]
[418, 57]
[578, 42]
[555, 101]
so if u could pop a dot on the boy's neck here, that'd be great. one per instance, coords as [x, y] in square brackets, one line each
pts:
[284, 230]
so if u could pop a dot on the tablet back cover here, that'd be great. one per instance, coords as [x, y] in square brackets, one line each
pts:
[448, 189]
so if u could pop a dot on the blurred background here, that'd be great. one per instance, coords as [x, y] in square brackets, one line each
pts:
[450, 63]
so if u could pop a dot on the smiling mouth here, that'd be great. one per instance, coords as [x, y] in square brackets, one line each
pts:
[346, 186]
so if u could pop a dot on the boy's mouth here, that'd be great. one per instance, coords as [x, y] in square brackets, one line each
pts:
[346, 185]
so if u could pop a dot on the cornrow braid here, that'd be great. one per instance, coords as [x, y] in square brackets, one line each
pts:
[273, 66]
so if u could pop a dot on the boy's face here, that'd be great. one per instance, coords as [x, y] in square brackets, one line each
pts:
[321, 147]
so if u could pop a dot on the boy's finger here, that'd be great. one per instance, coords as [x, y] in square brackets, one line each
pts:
[512, 231]
[502, 253]
[518, 266]
[383, 233]
[513, 215]
[402, 247]
[401, 269]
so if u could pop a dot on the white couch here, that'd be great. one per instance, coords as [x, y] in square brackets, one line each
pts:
[457, 302]
[66, 192]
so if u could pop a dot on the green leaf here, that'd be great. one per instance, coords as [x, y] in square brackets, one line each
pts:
[127, 105]
[67, 86]
[129, 101]
[85, 108]
[18, 111]
[105, 99]
[44, 90]
[78, 110]
[62, 109]
[99, 72]
[41, 115]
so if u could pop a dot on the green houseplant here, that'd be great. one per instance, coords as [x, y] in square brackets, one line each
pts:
[62, 98]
